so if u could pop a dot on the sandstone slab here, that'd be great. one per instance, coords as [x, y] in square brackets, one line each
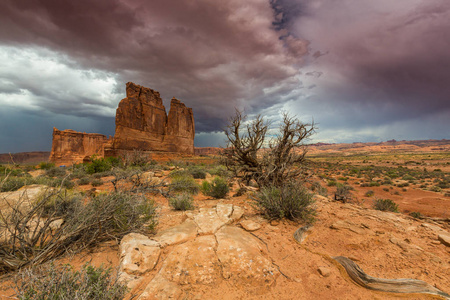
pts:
[349, 226]
[242, 258]
[444, 239]
[138, 254]
[160, 288]
[250, 225]
[208, 221]
[193, 262]
[177, 234]
[23, 197]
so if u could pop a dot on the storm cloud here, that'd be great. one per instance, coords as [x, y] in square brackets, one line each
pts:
[363, 70]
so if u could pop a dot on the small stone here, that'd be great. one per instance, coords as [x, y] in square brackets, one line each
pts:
[250, 225]
[238, 212]
[274, 222]
[324, 271]
[444, 239]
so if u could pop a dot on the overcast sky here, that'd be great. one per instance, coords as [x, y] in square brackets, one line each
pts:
[363, 70]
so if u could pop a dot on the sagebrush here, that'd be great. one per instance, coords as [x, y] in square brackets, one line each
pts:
[218, 188]
[65, 283]
[291, 201]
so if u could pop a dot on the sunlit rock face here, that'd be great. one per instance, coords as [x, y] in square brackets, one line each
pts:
[141, 124]
[70, 146]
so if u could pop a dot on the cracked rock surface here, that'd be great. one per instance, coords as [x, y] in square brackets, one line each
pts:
[203, 250]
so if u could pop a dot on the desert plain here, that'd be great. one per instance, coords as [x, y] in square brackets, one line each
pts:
[225, 249]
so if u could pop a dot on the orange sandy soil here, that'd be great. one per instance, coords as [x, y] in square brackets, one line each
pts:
[370, 246]
[299, 264]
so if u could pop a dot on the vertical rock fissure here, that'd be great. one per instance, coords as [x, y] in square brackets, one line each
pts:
[217, 256]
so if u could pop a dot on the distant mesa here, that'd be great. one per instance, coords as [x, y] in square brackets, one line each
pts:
[141, 123]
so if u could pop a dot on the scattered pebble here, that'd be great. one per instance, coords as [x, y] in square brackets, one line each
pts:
[324, 271]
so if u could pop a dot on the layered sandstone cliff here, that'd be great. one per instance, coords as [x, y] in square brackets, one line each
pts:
[141, 123]
[70, 146]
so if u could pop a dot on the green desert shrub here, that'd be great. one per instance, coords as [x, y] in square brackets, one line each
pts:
[98, 165]
[319, 189]
[55, 172]
[408, 177]
[218, 188]
[342, 192]
[332, 183]
[184, 184]
[61, 204]
[416, 215]
[103, 174]
[97, 182]
[291, 201]
[369, 193]
[197, 172]
[434, 189]
[63, 282]
[220, 171]
[182, 201]
[444, 184]
[11, 183]
[84, 181]
[46, 165]
[385, 205]
[179, 173]
[58, 182]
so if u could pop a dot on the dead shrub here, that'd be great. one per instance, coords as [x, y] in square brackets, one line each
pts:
[63, 282]
[33, 233]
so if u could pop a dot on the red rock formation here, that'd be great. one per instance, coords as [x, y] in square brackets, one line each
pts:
[70, 146]
[141, 123]
[207, 151]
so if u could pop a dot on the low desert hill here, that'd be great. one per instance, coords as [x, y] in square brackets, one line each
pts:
[24, 157]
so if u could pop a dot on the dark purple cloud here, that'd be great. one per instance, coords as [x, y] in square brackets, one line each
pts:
[362, 69]
[386, 63]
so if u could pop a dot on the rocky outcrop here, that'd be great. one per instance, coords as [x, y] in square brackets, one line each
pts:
[205, 250]
[70, 146]
[141, 123]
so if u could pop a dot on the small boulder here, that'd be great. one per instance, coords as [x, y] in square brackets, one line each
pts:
[324, 271]
[250, 225]
[138, 254]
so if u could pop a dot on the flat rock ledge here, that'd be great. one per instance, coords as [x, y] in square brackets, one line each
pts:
[205, 249]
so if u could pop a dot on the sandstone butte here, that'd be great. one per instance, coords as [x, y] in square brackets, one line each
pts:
[141, 124]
